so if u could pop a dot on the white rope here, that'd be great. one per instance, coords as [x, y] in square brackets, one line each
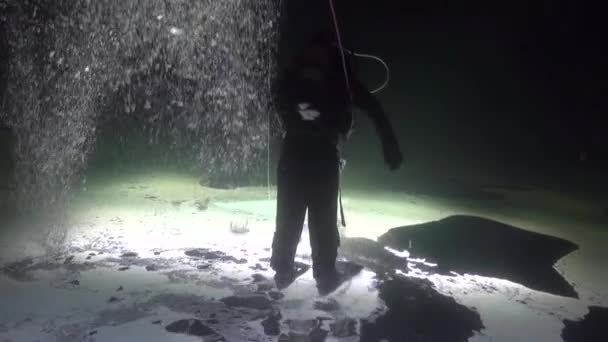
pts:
[388, 70]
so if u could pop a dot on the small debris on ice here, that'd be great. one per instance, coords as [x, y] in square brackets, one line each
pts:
[129, 255]
[252, 302]
[239, 227]
[194, 327]
[258, 267]
[258, 278]
[326, 305]
[202, 205]
[114, 299]
[151, 268]
[276, 295]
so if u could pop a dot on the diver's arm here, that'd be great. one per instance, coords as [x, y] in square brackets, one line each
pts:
[363, 99]
[285, 100]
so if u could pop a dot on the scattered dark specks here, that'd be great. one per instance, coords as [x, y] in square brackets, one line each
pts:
[114, 299]
[196, 253]
[276, 295]
[119, 289]
[194, 327]
[75, 282]
[251, 302]
[272, 326]
[258, 278]
[264, 287]
[326, 305]
[157, 322]
[129, 255]
[124, 268]
[212, 255]
[258, 267]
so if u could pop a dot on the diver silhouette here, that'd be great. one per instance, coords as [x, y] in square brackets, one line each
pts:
[315, 110]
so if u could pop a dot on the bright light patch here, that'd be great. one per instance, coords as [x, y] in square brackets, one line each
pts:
[402, 254]
[176, 31]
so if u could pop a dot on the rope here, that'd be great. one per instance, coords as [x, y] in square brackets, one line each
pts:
[388, 70]
[350, 94]
[339, 37]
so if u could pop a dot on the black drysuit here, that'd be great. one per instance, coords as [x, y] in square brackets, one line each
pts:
[315, 110]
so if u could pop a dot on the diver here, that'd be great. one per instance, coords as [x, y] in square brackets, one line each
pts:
[314, 105]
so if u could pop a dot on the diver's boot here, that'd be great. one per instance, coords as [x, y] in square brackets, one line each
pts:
[286, 275]
[328, 283]
[328, 279]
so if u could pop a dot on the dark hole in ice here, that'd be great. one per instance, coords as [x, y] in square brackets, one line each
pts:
[416, 312]
[252, 302]
[592, 328]
[193, 327]
[474, 245]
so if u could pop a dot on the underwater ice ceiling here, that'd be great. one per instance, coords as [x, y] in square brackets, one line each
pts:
[199, 70]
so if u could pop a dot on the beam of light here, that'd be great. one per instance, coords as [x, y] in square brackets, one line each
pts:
[402, 254]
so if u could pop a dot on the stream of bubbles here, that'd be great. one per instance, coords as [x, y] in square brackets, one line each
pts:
[197, 71]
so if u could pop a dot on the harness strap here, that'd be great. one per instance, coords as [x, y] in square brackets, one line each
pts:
[342, 218]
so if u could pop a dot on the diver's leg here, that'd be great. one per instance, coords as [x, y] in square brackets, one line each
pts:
[322, 219]
[291, 211]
